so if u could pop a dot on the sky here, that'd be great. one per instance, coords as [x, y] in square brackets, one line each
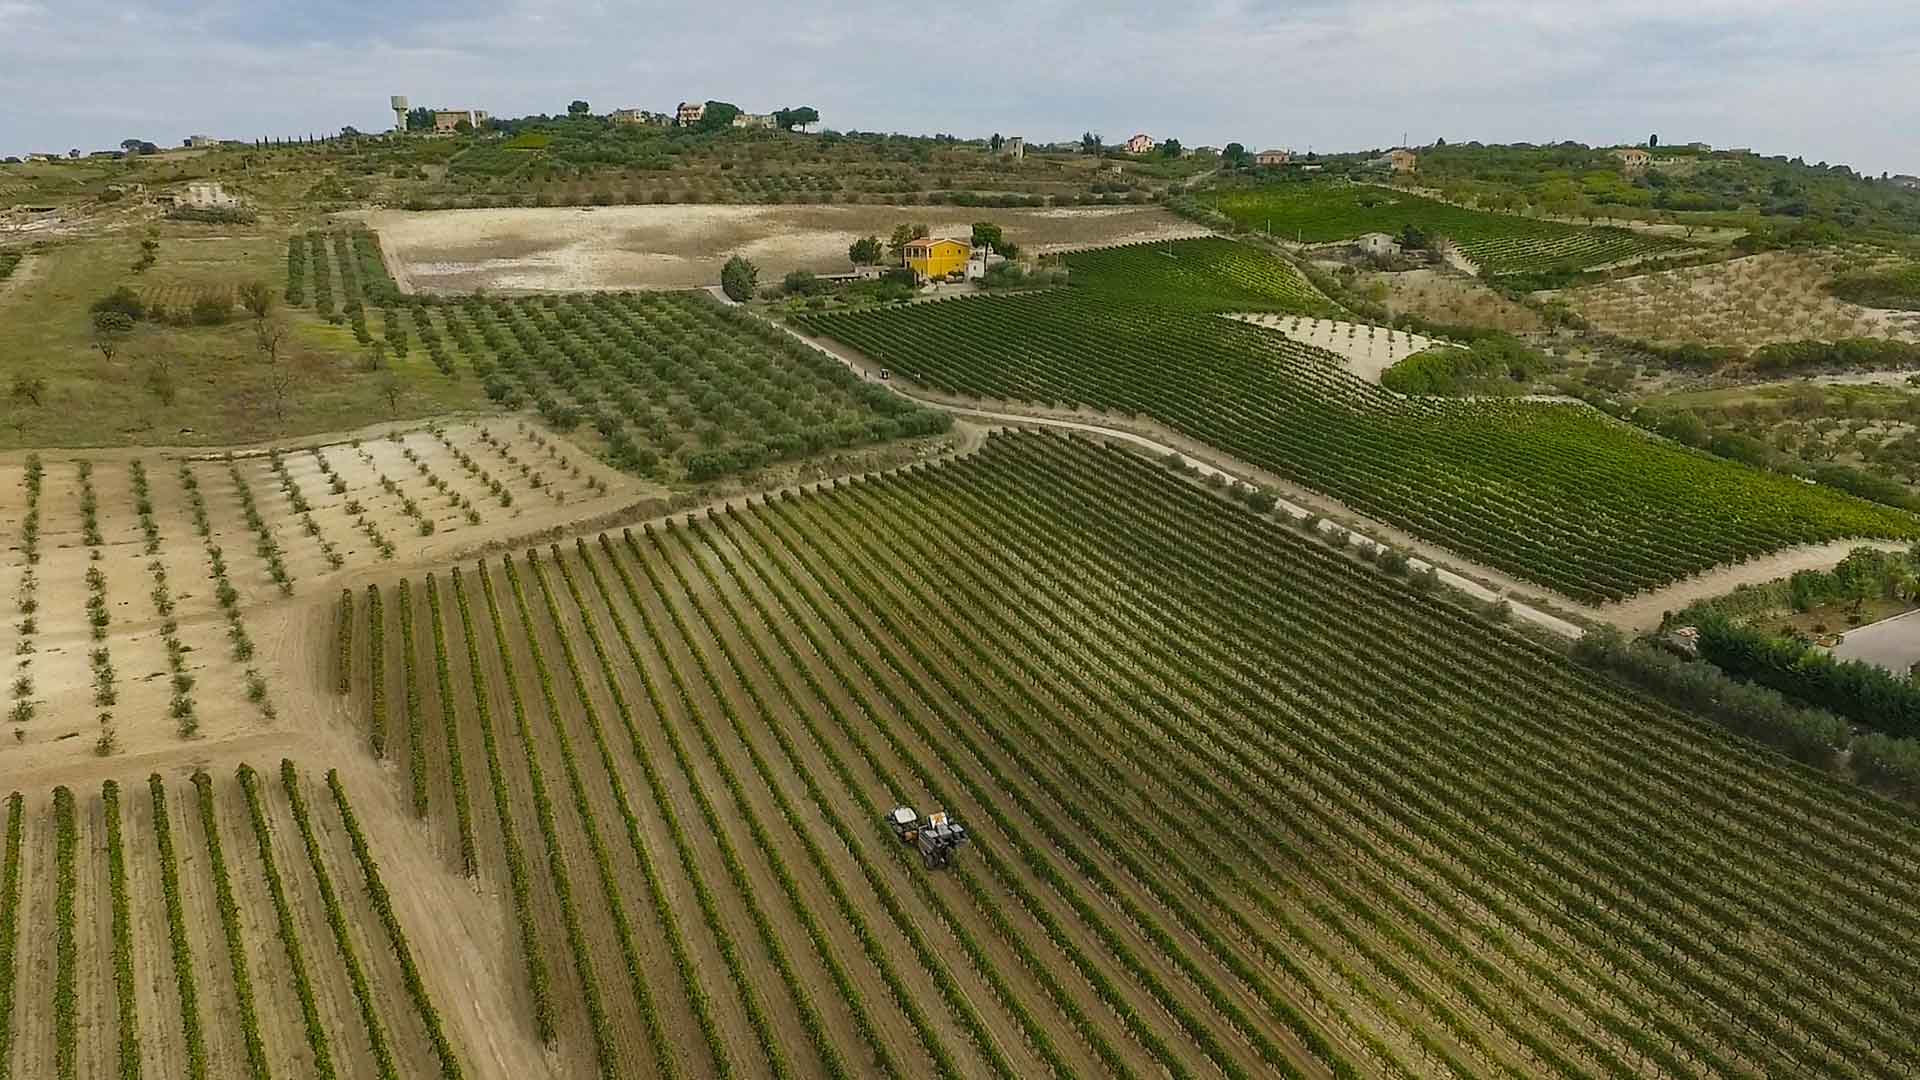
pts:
[1831, 80]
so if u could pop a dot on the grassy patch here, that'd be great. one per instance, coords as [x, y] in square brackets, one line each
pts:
[223, 392]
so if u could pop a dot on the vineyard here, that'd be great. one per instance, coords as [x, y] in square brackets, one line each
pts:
[1496, 243]
[233, 926]
[1210, 274]
[1556, 494]
[675, 386]
[1192, 854]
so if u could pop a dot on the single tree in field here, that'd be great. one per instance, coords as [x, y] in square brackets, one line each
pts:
[1171, 148]
[28, 388]
[110, 329]
[269, 336]
[577, 107]
[993, 144]
[420, 118]
[257, 298]
[391, 389]
[280, 380]
[987, 234]
[1233, 156]
[738, 278]
[160, 381]
[1091, 143]
[864, 251]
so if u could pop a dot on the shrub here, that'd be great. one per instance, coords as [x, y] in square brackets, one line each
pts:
[738, 279]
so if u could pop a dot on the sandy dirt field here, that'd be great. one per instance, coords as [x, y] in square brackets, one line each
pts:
[1368, 350]
[673, 247]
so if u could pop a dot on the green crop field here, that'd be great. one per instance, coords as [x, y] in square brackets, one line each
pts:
[1557, 494]
[1211, 274]
[1497, 243]
[1201, 843]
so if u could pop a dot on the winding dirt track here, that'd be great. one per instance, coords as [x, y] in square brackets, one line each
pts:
[1204, 459]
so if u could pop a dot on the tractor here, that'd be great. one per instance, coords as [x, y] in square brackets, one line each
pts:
[937, 835]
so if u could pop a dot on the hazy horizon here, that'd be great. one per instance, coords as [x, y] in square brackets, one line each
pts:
[1326, 75]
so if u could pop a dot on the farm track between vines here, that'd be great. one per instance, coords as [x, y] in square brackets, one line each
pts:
[1194, 851]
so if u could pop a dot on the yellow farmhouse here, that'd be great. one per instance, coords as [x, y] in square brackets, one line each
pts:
[936, 258]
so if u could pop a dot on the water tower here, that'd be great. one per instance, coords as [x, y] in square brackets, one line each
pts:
[399, 102]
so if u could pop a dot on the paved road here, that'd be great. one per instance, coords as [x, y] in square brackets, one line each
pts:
[1893, 643]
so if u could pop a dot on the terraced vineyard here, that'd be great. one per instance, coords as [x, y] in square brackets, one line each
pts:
[1203, 842]
[230, 927]
[1556, 494]
[1497, 243]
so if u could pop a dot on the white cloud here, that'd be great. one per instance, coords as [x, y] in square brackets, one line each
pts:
[1834, 81]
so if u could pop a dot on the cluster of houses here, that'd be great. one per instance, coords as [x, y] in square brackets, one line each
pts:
[687, 114]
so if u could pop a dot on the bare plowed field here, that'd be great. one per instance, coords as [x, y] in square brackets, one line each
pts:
[678, 247]
[1200, 842]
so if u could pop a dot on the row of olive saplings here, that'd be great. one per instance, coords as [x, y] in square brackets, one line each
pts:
[227, 596]
[180, 707]
[26, 599]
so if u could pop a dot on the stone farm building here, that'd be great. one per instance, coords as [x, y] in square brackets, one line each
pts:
[198, 142]
[640, 116]
[1633, 159]
[689, 113]
[762, 121]
[447, 121]
[1404, 161]
[1273, 157]
[933, 258]
[1139, 144]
